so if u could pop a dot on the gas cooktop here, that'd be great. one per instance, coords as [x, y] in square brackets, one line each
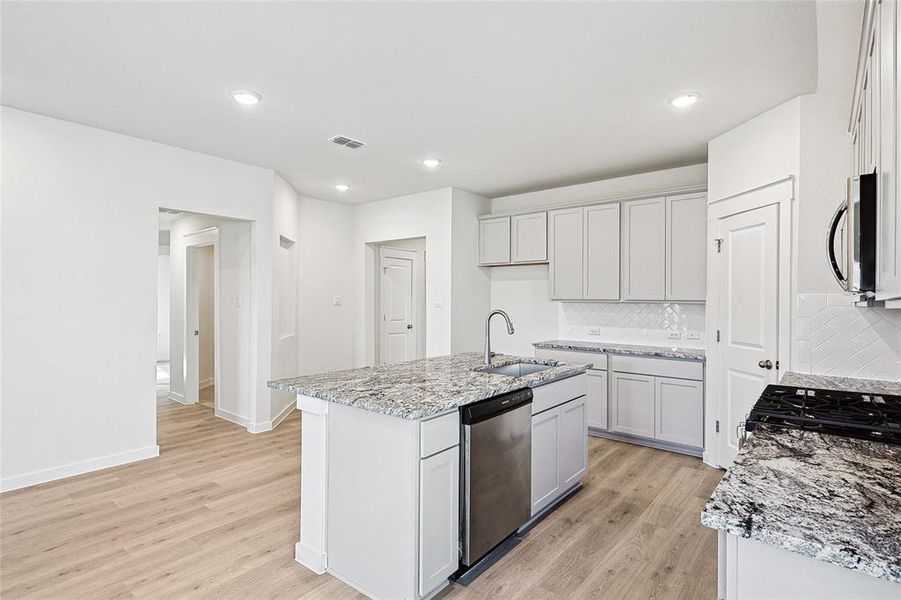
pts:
[850, 414]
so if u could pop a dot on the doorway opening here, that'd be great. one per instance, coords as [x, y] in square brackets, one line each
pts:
[399, 287]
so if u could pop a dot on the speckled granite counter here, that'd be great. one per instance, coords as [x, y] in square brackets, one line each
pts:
[850, 384]
[631, 349]
[422, 388]
[831, 498]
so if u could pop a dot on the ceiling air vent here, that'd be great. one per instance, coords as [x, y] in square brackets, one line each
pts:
[347, 142]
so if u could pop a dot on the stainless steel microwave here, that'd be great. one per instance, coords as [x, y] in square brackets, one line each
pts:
[851, 241]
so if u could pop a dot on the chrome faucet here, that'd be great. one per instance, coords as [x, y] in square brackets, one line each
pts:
[488, 332]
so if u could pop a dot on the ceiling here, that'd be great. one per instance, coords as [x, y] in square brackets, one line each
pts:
[511, 96]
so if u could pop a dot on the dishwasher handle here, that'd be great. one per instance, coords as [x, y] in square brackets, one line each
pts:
[492, 407]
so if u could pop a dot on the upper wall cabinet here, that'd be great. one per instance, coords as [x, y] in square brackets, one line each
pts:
[876, 135]
[520, 239]
[686, 254]
[644, 249]
[565, 241]
[494, 241]
[601, 252]
[529, 237]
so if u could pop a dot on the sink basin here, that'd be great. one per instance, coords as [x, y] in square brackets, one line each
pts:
[517, 369]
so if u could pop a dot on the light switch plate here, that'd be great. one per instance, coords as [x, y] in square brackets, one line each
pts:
[337, 301]
[692, 335]
[439, 302]
[594, 331]
[674, 335]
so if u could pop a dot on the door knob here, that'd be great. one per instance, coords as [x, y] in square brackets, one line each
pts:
[765, 364]
[409, 326]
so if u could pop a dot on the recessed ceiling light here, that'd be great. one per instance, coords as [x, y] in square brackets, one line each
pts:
[342, 187]
[431, 162]
[685, 100]
[246, 97]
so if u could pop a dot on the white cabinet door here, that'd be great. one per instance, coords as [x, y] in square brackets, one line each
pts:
[632, 404]
[545, 461]
[439, 518]
[686, 247]
[889, 206]
[565, 246]
[529, 237]
[494, 241]
[573, 452]
[601, 250]
[680, 411]
[596, 399]
[644, 249]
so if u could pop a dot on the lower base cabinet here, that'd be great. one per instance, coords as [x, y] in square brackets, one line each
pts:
[559, 451]
[667, 409]
[439, 518]
[632, 404]
[596, 399]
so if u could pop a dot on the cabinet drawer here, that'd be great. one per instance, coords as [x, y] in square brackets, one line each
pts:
[439, 434]
[664, 367]
[556, 393]
[597, 360]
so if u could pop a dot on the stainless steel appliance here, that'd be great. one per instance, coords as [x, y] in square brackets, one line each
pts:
[497, 471]
[851, 240]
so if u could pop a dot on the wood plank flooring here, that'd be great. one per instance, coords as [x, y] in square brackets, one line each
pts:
[217, 516]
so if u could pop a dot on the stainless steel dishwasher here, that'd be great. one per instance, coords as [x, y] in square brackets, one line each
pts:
[497, 471]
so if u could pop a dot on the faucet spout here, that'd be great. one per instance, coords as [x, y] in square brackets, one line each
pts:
[510, 331]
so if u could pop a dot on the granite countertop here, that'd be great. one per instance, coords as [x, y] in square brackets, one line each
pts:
[423, 388]
[831, 498]
[848, 384]
[633, 349]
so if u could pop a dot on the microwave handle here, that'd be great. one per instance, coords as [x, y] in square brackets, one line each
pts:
[830, 245]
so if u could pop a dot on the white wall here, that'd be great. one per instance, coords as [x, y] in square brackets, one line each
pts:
[79, 328]
[162, 304]
[524, 291]
[642, 183]
[471, 287]
[286, 250]
[428, 215]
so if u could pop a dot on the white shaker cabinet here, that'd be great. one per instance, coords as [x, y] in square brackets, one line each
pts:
[680, 411]
[644, 249]
[494, 241]
[596, 399]
[439, 518]
[686, 251]
[545, 458]
[632, 404]
[601, 252]
[528, 237]
[565, 245]
[573, 451]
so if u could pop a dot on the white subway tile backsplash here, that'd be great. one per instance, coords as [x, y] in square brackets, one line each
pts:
[633, 322]
[834, 337]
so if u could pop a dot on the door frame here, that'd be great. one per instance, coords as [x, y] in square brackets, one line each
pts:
[199, 239]
[418, 318]
[782, 193]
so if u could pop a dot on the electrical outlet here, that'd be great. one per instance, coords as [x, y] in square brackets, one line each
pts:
[692, 335]
[337, 301]
[594, 331]
[674, 334]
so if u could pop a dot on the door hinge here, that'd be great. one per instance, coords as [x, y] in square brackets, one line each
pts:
[777, 365]
[717, 335]
[717, 426]
[719, 244]
[384, 270]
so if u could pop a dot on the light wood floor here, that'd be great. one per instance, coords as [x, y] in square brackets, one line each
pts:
[216, 516]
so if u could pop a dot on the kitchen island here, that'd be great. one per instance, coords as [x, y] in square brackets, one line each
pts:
[803, 514]
[380, 462]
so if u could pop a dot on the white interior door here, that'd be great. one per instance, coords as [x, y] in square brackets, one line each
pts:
[192, 327]
[748, 316]
[397, 342]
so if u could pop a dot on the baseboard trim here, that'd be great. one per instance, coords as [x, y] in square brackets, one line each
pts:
[310, 558]
[176, 397]
[640, 441]
[270, 425]
[230, 416]
[78, 468]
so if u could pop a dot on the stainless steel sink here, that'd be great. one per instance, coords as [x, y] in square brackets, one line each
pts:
[517, 369]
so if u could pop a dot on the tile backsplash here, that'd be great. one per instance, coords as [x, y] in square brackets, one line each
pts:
[834, 337]
[632, 322]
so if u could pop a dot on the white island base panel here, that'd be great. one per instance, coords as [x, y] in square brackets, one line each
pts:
[752, 570]
[379, 503]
